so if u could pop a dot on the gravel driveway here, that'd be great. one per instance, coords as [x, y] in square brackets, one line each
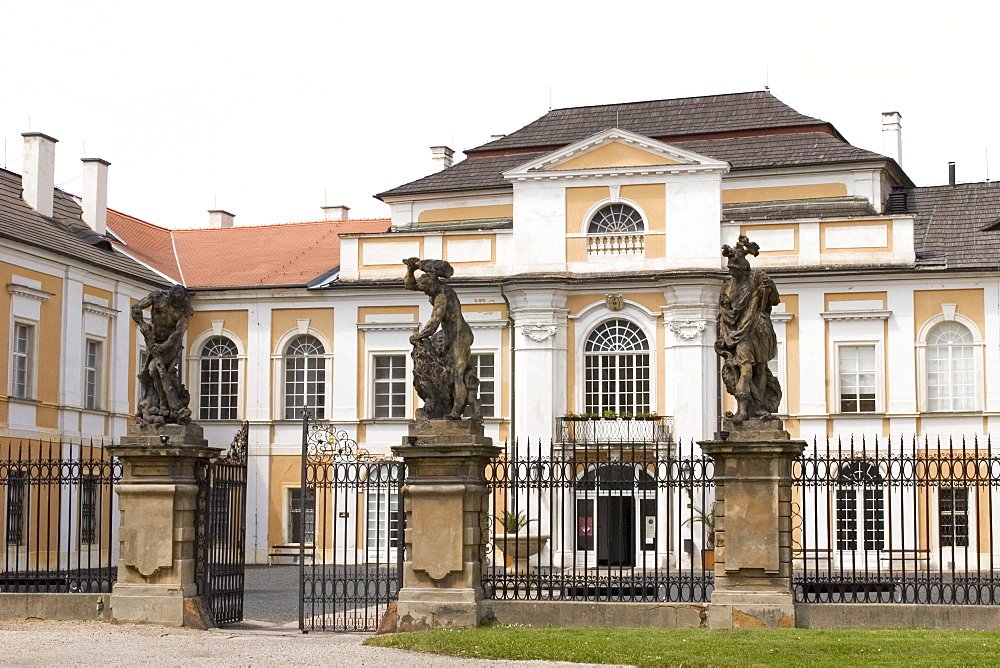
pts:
[32, 643]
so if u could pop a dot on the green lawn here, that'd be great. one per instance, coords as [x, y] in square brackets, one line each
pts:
[695, 647]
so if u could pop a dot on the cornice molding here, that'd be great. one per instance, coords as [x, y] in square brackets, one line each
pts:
[16, 290]
[98, 309]
[387, 326]
[860, 314]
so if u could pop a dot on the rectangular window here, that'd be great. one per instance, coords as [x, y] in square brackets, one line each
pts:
[297, 528]
[22, 361]
[857, 379]
[88, 510]
[847, 519]
[953, 511]
[486, 373]
[874, 500]
[93, 361]
[383, 522]
[17, 492]
[390, 386]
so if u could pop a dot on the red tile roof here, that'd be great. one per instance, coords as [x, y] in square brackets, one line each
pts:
[268, 255]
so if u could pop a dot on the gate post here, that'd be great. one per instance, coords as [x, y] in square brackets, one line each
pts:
[753, 553]
[444, 498]
[158, 499]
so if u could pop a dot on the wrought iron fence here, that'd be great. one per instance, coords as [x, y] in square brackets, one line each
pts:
[349, 524]
[881, 520]
[60, 519]
[220, 557]
[608, 522]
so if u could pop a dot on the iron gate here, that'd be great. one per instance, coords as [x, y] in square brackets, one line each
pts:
[349, 517]
[221, 547]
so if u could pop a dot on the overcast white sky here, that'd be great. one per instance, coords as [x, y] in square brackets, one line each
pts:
[266, 108]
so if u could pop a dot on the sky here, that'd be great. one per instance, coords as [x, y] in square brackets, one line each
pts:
[271, 110]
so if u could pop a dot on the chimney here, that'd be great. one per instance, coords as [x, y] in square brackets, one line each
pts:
[95, 194]
[39, 171]
[443, 157]
[338, 212]
[892, 138]
[496, 137]
[951, 173]
[218, 218]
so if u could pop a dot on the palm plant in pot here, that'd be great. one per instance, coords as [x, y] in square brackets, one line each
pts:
[517, 544]
[707, 520]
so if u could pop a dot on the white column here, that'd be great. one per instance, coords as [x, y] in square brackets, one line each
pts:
[258, 412]
[539, 360]
[71, 350]
[691, 375]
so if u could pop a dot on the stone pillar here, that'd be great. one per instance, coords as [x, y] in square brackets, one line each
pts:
[753, 526]
[444, 498]
[158, 496]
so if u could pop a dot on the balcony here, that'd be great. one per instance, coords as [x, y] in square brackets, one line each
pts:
[616, 244]
[579, 431]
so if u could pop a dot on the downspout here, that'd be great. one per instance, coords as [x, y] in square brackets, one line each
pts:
[513, 365]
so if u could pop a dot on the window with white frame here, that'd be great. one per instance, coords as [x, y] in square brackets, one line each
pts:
[22, 362]
[617, 369]
[860, 507]
[483, 363]
[219, 380]
[616, 219]
[301, 526]
[950, 368]
[383, 535]
[305, 377]
[953, 516]
[389, 386]
[857, 378]
[93, 365]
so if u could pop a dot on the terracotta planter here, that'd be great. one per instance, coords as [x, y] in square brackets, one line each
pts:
[518, 549]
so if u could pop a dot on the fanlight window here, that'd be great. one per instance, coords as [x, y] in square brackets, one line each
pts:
[616, 219]
[951, 369]
[219, 382]
[617, 369]
[305, 377]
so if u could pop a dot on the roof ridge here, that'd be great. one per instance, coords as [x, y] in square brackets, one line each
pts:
[257, 227]
[665, 99]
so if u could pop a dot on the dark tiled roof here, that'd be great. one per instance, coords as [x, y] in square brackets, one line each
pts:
[950, 225]
[837, 208]
[756, 152]
[64, 234]
[657, 118]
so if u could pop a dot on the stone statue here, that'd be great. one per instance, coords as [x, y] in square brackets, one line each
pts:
[164, 398]
[746, 336]
[443, 374]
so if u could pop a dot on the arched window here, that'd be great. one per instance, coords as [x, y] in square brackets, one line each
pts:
[951, 368]
[219, 380]
[305, 377]
[859, 484]
[617, 369]
[616, 219]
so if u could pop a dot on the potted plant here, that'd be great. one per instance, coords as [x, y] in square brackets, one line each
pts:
[517, 548]
[573, 417]
[707, 519]
[609, 415]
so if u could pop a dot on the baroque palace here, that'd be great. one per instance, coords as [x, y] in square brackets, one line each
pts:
[586, 248]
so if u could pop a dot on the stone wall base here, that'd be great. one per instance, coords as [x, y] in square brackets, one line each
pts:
[751, 610]
[585, 613]
[419, 609]
[92, 607]
[166, 604]
[897, 615]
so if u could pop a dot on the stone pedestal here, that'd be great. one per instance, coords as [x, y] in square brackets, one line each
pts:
[157, 497]
[753, 527]
[444, 499]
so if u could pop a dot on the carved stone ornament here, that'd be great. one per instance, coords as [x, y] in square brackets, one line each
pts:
[614, 302]
[538, 333]
[687, 329]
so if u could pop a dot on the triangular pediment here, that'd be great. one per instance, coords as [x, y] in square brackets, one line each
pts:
[614, 150]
